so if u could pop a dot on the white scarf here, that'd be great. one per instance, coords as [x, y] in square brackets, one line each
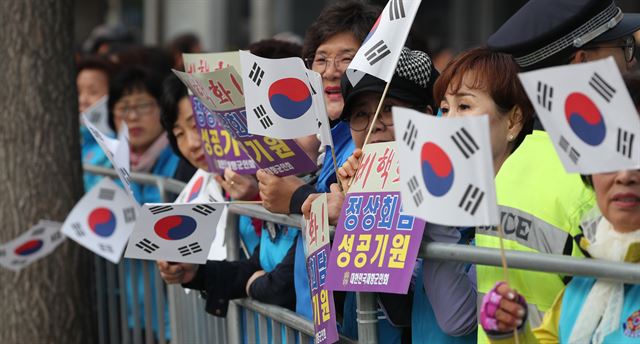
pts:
[600, 314]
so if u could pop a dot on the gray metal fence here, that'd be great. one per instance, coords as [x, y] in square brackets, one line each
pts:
[190, 323]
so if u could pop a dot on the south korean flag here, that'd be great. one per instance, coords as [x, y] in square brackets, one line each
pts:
[102, 220]
[320, 109]
[98, 115]
[203, 188]
[588, 113]
[39, 241]
[379, 53]
[446, 169]
[174, 232]
[278, 98]
[117, 150]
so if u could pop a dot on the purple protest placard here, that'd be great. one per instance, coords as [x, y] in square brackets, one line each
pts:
[220, 149]
[221, 93]
[317, 248]
[375, 245]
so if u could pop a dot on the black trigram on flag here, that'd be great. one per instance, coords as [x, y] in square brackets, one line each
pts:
[625, 143]
[471, 199]
[545, 95]
[125, 175]
[465, 142]
[106, 194]
[414, 188]
[256, 74]
[96, 134]
[262, 116]
[93, 116]
[204, 209]
[147, 246]
[189, 249]
[77, 228]
[377, 52]
[129, 214]
[602, 87]
[106, 248]
[56, 236]
[38, 231]
[396, 10]
[574, 155]
[571, 152]
[410, 135]
[159, 209]
[18, 262]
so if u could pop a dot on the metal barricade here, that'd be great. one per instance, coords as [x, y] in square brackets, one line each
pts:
[190, 324]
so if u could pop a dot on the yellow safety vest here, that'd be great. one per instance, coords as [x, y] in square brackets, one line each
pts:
[541, 206]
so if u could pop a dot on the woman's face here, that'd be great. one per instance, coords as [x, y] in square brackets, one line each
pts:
[618, 197]
[331, 60]
[187, 135]
[92, 84]
[469, 101]
[362, 112]
[141, 112]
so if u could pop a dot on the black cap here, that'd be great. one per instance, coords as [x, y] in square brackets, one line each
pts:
[545, 28]
[412, 82]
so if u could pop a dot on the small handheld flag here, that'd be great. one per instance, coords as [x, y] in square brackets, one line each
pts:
[588, 113]
[446, 168]
[278, 98]
[102, 220]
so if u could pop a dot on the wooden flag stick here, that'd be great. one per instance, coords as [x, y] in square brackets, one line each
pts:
[373, 122]
[335, 168]
[505, 270]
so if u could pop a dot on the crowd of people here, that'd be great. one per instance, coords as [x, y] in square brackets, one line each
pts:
[448, 302]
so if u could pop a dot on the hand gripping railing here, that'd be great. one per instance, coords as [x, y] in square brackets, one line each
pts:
[563, 265]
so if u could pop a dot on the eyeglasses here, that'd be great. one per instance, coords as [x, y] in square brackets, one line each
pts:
[319, 63]
[360, 120]
[629, 47]
[142, 109]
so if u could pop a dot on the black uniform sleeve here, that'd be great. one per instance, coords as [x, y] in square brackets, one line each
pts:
[221, 281]
[299, 196]
[276, 287]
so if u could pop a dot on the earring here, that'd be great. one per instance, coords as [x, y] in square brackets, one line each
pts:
[510, 138]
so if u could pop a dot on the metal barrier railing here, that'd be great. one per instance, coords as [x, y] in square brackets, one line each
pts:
[183, 330]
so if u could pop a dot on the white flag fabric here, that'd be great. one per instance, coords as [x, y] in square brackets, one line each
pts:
[446, 169]
[174, 232]
[116, 150]
[102, 220]
[588, 113]
[320, 108]
[39, 241]
[380, 50]
[203, 188]
[98, 115]
[277, 97]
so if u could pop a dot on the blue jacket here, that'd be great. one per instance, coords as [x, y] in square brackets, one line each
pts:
[92, 154]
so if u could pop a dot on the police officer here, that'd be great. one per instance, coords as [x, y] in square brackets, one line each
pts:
[541, 205]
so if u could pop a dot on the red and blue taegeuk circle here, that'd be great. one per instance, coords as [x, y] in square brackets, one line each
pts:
[28, 248]
[195, 190]
[175, 227]
[102, 222]
[585, 119]
[437, 169]
[290, 98]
